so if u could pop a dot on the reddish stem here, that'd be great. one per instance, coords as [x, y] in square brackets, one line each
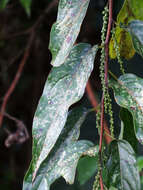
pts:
[101, 181]
[110, 2]
[91, 96]
[106, 67]
[95, 103]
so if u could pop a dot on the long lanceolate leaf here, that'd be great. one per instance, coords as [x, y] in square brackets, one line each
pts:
[65, 31]
[65, 86]
[63, 158]
[129, 94]
[122, 167]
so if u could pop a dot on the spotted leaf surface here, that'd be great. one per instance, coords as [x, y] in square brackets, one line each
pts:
[136, 30]
[65, 85]
[129, 94]
[65, 31]
[122, 172]
[63, 158]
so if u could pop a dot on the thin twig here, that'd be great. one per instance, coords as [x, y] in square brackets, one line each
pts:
[16, 78]
[13, 60]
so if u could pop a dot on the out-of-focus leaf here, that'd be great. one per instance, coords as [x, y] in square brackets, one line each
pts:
[131, 10]
[140, 163]
[63, 158]
[3, 3]
[136, 30]
[65, 31]
[65, 85]
[112, 188]
[124, 42]
[128, 128]
[128, 92]
[87, 166]
[122, 172]
[26, 5]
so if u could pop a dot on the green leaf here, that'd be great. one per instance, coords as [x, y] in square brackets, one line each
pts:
[112, 188]
[65, 31]
[140, 163]
[128, 92]
[87, 166]
[131, 10]
[3, 3]
[136, 30]
[122, 172]
[65, 85]
[27, 6]
[128, 128]
[63, 158]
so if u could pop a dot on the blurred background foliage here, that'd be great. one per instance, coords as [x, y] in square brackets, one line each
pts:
[15, 20]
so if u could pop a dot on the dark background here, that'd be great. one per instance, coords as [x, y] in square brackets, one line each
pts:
[22, 104]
